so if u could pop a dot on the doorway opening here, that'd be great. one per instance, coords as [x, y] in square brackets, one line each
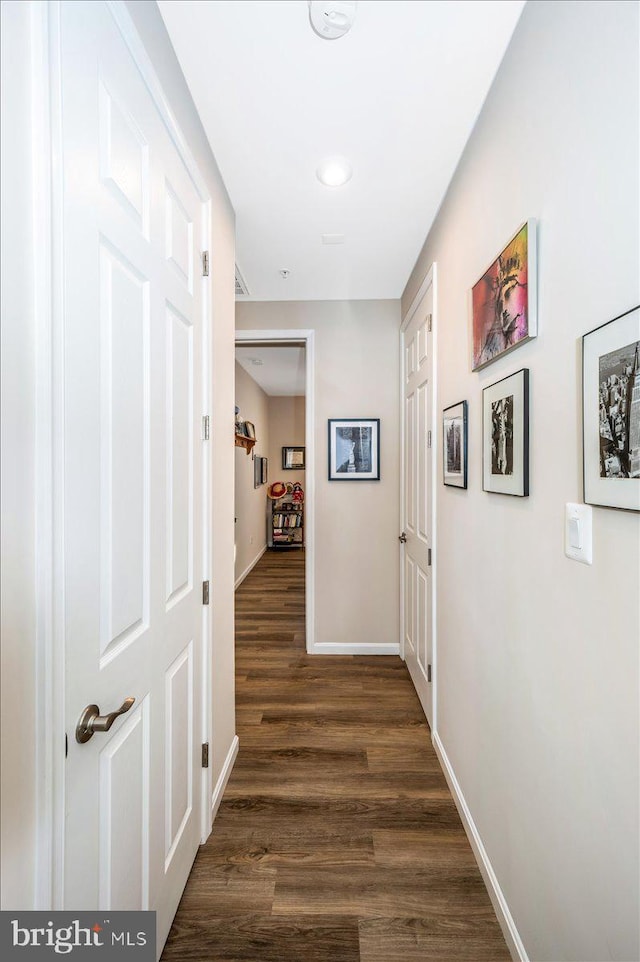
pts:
[274, 490]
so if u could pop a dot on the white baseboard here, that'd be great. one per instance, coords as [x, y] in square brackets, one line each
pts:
[223, 777]
[508, 926]
[246, 571]
[336, 648]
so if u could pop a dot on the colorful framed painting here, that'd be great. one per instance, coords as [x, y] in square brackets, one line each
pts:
[454, 443]
[354, 449]
[503, 300]
[611, 413]
[505, 435]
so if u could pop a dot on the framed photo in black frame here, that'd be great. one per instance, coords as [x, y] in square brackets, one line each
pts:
[293, 459]
[611, 413]
[454, 444]
[354, 449]
[505, 435]
[257, 471]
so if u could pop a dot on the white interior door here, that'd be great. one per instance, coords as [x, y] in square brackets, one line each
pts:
[132, 225]
[416, 342]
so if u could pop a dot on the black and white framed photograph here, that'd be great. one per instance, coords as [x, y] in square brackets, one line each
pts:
[454, 442]
[293, 458]
[354, 449]
[505, 435]
[249, 430]
[264, 471]
[257, 471]
[611, 413]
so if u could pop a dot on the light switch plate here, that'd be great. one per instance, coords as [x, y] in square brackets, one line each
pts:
[578, 533]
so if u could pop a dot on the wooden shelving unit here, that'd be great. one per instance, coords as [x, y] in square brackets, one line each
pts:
[286, 523]
[244, 442]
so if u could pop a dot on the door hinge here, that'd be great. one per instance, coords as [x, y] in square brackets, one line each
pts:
[428, 439]
[205, 592]
[205, 427]
[429, 673]
[205, 754]
[205, 264]
[429, 322]
[429, 557]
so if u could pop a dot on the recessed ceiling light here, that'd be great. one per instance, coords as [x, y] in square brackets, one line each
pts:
[334, 171]
[332, 238]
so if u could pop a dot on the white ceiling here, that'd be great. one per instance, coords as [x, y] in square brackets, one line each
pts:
[398, 96]
[280, 371]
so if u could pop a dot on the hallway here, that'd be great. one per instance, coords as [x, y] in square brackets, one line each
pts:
[337, 839]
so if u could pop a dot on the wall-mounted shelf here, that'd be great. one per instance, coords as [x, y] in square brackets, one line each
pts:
[244, 442]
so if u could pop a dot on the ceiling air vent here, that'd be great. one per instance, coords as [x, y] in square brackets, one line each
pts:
[241, 288]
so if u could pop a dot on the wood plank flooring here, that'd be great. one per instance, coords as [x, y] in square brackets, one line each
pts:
[337, 839]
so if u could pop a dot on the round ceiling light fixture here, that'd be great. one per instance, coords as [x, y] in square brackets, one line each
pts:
[334, 171]
[332, 18]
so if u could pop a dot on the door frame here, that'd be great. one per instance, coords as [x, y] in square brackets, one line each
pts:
[47, 192]
[306, 337]
[430, 280]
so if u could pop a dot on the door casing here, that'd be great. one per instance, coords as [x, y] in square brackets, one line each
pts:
[307, 338]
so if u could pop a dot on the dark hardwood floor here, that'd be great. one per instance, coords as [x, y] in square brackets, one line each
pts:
[337, 839]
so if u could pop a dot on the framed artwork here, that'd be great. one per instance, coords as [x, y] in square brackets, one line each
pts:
[263, 467]
[454, 442]
[503, 300]
[354, 449]
[257, 471]
[505, 435]
[611, 413]
[249, 429]
[293, 459]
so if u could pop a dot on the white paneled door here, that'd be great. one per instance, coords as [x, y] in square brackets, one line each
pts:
[417, 370]
[132, 321]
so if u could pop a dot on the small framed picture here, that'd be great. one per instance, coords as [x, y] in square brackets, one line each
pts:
[257, 471]
[611, 413]
[249, 429]
[503, 300]
[505, 435]
[263, 463]
[454, 442]
[293, 459]
[354, 449]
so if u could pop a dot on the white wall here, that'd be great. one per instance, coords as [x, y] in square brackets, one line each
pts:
[20, 741]
[286, 429]
[538, 655]
[250, 502]
[18, 630]
[356, 523]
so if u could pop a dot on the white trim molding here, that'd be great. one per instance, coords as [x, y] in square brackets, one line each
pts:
[249, 568]
[499, 902]
[307, 338]
[223, 777]
[356, 648]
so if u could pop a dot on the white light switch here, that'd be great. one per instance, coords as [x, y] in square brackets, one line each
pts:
[577, 533]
